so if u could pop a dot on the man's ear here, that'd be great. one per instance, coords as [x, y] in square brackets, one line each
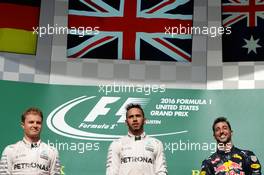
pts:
[214, 134]
[22, 124]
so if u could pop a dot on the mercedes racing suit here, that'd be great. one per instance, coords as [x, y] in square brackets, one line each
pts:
[235, 162]
[132, 155]
[24, 158]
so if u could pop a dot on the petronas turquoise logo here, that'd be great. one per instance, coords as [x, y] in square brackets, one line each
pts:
[88, 127]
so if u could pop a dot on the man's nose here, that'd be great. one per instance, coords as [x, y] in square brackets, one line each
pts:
[134, 117]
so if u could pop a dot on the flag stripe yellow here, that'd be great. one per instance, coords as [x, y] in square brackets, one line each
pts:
[17, 41]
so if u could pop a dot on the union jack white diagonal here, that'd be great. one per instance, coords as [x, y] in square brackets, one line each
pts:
[137, 27]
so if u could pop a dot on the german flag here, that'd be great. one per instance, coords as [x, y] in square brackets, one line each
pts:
[18, 18]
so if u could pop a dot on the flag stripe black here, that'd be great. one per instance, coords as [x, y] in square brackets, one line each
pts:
[35, 3]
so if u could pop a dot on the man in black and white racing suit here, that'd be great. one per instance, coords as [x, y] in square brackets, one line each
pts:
[136, 153]
[30, 156]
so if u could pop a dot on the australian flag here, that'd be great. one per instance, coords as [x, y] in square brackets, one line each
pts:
[246, 41]
[130, 29]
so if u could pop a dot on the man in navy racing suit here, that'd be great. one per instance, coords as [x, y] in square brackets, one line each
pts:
[229, 160]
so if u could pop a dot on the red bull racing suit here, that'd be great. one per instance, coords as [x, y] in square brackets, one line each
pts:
[24, 158]
[136, 155]
[235, 162]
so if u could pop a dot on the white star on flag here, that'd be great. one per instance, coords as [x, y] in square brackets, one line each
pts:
[251, 45]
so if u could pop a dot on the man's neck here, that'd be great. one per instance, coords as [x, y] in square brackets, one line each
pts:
[32, 140]
[226, 147]
[136, 133]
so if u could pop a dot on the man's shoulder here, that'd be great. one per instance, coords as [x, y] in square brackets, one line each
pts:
[49, 147]
[244, 152]
[153, 139]
[250, 159]
[12, 147]
[118, 141]
[211, 158]
[116, 144]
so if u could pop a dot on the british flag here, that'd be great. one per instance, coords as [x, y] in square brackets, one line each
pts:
[130, 29]
[246, 19]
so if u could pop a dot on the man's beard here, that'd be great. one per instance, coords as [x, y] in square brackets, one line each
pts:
[136, 129]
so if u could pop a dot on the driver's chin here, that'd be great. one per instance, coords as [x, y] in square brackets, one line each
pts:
[136, 129]
[224, 141]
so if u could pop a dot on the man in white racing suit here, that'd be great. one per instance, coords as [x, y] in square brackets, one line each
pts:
[136, 153]
[30, 156]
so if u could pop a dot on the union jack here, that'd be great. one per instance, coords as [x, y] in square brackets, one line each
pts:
[130, 29]
[236, 10]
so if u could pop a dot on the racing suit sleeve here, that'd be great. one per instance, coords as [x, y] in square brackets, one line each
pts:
[55, 164]
[160, 162]
[253, 166]
[5, 162]
[206, 168]
[113, 159]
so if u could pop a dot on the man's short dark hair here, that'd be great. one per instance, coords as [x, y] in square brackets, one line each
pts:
[221, 119]
[31, 110]
[132, 105]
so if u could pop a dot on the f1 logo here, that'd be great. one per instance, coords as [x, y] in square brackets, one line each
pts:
[101, 108]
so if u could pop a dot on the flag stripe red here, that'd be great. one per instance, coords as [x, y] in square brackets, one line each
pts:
[161, 6]
[173, 49]
[78, 54]
[237, 1]
[95, 6]
[18, 16]
[152, 25]
[229, 22]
